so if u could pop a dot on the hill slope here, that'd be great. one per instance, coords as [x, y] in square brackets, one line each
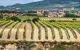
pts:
[46, 5]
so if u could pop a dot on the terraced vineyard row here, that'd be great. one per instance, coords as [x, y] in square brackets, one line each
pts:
[40, 31]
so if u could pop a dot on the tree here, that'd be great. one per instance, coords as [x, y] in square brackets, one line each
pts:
[14, 18]
[74, 19]
[52, 20]
[70, 15]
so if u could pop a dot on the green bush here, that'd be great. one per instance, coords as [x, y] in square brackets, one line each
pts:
[35, 20]
[74, 19]
[1, 17]
[52, 21]
[70, 15]
[14, 18]
[27, 20]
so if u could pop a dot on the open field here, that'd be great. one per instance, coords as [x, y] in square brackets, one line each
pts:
[49, 18]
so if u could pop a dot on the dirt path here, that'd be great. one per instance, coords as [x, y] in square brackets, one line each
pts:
[13, 32]
[64, 35]
[6, 30]
[57, 36]
[1, 28]
[78, 35]
[5, 33]
[71, 35]
[49, 34]
[42, 33]
[36, 33]
[28, 31]
[21, 32]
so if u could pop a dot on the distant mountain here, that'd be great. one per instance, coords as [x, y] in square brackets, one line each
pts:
[45, 5]
[2, 7]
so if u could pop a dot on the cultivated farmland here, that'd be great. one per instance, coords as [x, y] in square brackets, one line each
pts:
[39, 33]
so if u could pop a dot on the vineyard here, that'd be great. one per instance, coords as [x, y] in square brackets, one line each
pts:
[35, 35]
[40, 31]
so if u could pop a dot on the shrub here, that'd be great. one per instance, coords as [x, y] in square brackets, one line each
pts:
[52, 21]
[74, 19]
[27, 20]
[14, 18]
[1, 17]
[38, 25]
[70, 15]
[35, 19]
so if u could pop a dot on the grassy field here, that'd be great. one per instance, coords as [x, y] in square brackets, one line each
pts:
[48, 18]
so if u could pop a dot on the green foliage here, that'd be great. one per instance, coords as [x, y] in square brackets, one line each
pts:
[32, 34]
[70, 15]
[35, 19]
[24, 33]
[66, 32]
[59, 47]
[7, 18]
[28, 20]
[74, 24]
[13, 24]
[16, 36]
[74, 33]
[29, 14]
[39, 27]
[60, 33]
[74, 19]
[46, 30]
[6, 25]
[14, 18]
[1, 17]
[48, 24]
[52, 20]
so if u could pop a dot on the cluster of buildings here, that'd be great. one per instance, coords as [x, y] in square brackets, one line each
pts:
[10, 13]
[37, 13]
[47, 13]
[33, 12]
[78, 13]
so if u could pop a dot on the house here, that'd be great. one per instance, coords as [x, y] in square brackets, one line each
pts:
[10, 13]
[77, 13]
[52, 14]
[56, 14]
[46, 13]
[40, 13]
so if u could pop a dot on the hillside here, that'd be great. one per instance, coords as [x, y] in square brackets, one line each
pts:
[46, 5]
